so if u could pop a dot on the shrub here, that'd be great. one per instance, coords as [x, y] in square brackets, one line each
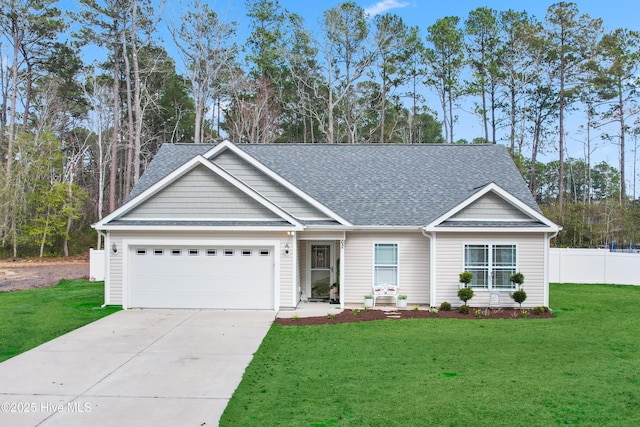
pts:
[445, 306]
[539, 310]
[355, 312]
[465, 294]
[517, 278]
[519, 296]
[479, 313]
[466, 277]
[524, 313]
[464, 309]
[331, 316]
[295, 317]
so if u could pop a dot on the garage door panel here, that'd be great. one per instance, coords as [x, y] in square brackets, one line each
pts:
[160, 279]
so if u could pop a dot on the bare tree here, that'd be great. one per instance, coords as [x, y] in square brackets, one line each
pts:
[207, 49]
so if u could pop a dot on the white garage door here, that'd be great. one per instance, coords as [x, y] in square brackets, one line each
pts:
[201, 277]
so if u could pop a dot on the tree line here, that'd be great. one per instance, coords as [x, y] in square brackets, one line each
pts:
[78, 134]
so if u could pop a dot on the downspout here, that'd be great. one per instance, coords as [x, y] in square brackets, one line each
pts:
[294, 254]
[432, 265]
[341, 272]
[546, 266]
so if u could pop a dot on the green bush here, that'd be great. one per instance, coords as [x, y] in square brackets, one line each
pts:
[445, 306]
[517, 278]
[539, 310]
[519, 296]
[465, 294]
[466, 277]
[464, 309]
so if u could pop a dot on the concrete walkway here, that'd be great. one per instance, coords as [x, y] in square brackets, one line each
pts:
[134, 368]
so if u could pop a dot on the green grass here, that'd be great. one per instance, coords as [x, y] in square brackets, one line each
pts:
[580, 368]
[31, 317]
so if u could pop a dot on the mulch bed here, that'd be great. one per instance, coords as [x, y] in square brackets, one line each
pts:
[349, 316]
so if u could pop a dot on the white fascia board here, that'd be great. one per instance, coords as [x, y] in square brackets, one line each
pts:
[198, 228]
[224, 145]
[505, 195]
[155, 188]
[544, 229]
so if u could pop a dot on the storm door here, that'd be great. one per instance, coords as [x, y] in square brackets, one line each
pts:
[321, 271]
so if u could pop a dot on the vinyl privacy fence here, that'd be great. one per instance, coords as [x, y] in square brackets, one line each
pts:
[568, 265]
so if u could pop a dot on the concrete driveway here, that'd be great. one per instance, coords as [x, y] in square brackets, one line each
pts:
[134, 368]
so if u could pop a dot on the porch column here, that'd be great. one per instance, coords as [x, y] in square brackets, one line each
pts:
[341, 275]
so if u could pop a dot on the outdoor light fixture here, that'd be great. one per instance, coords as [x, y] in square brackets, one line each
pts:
[114, 248]
[286, 249]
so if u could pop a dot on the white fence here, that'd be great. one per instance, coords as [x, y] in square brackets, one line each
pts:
[96, 265]
[569, 265]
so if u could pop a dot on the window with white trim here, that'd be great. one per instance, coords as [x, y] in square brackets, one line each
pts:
[385, 264]
[491, 265]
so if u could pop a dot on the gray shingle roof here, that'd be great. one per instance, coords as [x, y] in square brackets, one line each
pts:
[378, 184]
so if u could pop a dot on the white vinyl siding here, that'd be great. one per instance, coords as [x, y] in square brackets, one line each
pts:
[201, 194]
[450, 263]
[204, 239]
[491, 207]
[358, 265]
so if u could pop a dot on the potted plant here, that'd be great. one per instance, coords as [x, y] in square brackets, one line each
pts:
[368, 300]
[401, 301]
[519, 295]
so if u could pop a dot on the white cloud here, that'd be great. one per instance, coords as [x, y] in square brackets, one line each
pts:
[383, 6]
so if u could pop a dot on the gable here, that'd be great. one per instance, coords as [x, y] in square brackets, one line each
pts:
[267, 187]
[491, 207]
[200, 194]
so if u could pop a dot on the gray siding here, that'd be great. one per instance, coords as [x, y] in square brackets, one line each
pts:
[413, 265]
[200, 194]
[530, 259]
[491, 206]
[267, 187]
[116, 273]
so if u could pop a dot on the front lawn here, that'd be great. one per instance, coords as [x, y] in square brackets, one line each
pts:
[580, 368]
[31, 317]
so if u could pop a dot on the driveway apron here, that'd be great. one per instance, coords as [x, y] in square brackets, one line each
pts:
[134, 368]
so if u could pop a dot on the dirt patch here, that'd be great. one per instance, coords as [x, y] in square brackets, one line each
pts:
[368, 315]
[19, 274]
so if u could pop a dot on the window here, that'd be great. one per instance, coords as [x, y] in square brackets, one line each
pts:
[491, 265]
[246, 252]
[228, 252]
[212, 252]
[385, 264]
[176, 252]
[158, 252]
[141, 251]
[264, 252]
[193, 252]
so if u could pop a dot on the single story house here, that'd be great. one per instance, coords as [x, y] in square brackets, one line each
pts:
[253, 226]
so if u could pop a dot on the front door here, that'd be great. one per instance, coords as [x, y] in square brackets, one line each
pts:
[321, 271]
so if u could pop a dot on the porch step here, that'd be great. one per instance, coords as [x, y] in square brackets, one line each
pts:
[393, 314]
